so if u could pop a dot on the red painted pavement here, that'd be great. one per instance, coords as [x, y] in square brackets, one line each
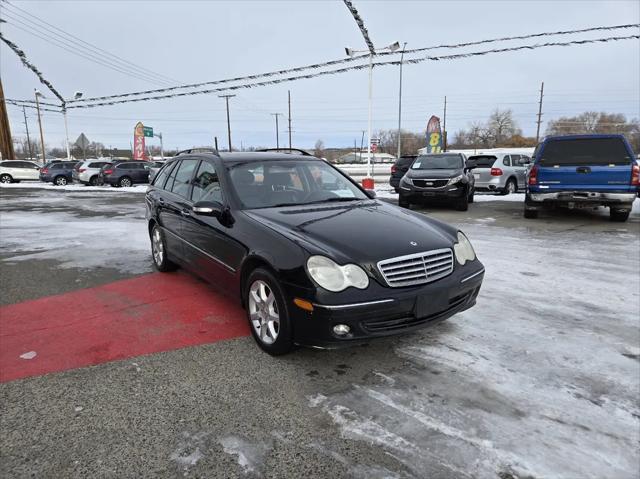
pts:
[146, 314]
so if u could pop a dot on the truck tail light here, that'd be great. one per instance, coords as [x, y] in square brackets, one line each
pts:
[635, 175]
[496, 172]
[394, 168]
[533, 175]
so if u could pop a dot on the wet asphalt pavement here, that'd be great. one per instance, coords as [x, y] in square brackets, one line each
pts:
[540, 379]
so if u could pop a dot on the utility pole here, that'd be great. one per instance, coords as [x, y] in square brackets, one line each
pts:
[6, 144]
[289, 101]
[226, 97]
[215, 142]
[444, 131]
[26, 126]
[400, 104]
[276, 115]
[37, 93]
[361, 145]
[539, 113]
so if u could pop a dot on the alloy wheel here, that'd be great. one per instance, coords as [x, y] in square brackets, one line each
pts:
[61, 181]
[263, 312]
[157, 248]
[125, 182]
[511, 187]
[5, 179]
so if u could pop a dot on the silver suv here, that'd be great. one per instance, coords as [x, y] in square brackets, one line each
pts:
[500, 172]
[88, 172]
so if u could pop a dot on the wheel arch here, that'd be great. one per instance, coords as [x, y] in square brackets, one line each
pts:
[250, 264]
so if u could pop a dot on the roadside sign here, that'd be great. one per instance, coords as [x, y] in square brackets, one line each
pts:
[82, 142]
[148, 131]
[374, 147]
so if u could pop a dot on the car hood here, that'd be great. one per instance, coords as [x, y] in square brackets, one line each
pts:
[434, 174]
[362, 232]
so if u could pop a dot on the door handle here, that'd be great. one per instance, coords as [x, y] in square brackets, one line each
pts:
[185, 213]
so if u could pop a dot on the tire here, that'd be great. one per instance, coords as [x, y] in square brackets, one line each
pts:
[463, 203]
[267, 313]
[125, 181]
[530, 214]
[618, 215]
[403, 203]
[473, 192]
[6, 178]
[159, 251]
[510, 187]
[93, 181]
[60, 180]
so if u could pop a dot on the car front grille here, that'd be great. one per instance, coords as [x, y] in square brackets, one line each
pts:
[430, 183]
[417, 268]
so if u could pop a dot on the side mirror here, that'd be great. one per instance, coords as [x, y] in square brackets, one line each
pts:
[208, 208]
[371, 193]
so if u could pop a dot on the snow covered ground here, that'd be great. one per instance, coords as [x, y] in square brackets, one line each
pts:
[35, 185]
[540, 379]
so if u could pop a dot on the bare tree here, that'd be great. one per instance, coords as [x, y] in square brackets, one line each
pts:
[319, 149]
[501, 126]
[593, 122]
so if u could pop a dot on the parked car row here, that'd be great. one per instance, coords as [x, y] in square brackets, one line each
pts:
[578, 171]
[89, 172]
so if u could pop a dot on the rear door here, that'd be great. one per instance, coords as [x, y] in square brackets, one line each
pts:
[587, 164]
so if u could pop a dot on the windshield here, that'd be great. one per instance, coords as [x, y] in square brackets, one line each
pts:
[585, 151]
[437, 162]
[265, 184]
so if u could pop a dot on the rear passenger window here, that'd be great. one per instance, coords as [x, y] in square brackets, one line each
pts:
[206, 185]
[505, 161]
[482, 161]
[183, 176]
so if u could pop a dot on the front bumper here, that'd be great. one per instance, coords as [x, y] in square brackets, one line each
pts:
[587, 198]
[400, 310]
[414, 194]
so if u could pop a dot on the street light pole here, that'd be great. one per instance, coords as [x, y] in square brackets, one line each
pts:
[400, 104]
[37, 93]
[393, 47]
[66, 130]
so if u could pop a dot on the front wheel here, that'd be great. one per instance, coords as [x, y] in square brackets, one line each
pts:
[473, 192]
[6, 178]
[60, 181]
[267, 313]
[403, 202]
[159, 251]
[463, 203]
[125, 181]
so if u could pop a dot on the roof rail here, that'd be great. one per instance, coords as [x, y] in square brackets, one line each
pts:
[285, 150]
[200, 149]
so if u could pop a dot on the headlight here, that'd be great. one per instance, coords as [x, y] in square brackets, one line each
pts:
[453, 181]
[463, 249]
[333, 277]
[406, 180]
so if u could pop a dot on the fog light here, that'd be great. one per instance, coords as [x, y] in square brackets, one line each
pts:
[341, 329]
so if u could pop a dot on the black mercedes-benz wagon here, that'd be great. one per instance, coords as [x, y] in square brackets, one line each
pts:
[315, 259]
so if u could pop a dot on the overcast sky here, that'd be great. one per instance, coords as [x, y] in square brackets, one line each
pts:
[192, 41]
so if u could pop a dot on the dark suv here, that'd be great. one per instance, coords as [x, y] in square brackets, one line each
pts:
[59, 173]
[125, 173]
[442, 176]
[398, 169]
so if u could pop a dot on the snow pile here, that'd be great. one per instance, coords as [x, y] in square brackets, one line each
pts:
[74, 187]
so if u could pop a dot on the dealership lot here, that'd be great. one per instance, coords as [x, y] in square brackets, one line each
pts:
[540, 379]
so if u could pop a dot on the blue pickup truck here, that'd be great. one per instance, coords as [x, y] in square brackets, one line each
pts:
[581, 171]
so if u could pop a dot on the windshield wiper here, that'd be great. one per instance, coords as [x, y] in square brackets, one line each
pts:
[327, 200]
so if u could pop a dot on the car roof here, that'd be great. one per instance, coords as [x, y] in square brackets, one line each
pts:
[242, 156]
[583, 137]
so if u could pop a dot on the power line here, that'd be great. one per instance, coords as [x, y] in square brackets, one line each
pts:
[30, 66]
[360, 23]
[71, 48]
[30, 17]
[332, 63]
[359, 67]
